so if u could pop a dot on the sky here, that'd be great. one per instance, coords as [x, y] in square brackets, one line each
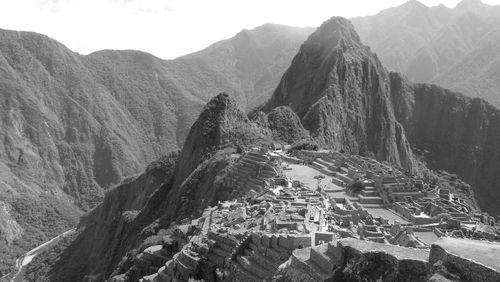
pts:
[171, 28]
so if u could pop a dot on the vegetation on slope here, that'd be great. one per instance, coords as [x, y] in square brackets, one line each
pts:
[38, 269]
[75, 126]
[42, 219]
[285, 125]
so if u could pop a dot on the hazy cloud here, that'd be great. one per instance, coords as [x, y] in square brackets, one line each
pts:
[53, 6]
[90, 25]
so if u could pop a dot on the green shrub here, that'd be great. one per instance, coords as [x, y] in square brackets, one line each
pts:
[305, 144]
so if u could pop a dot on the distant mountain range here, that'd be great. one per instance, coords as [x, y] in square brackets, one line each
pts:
[72, 126]
[453, 47]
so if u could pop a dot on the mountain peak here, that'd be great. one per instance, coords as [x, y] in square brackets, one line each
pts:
[221, 101]
[414, 3]
[469, 4]
[220, 111]
[406, 7]
[335, 32]
[220, 124]
[338, 26]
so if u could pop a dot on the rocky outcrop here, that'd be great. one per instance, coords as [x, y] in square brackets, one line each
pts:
[355, 260]
[363, 260]
[466, 260]
[284, 124]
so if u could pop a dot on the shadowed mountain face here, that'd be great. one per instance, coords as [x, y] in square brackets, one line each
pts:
[348, 100]
[452, 47]
[72, 126]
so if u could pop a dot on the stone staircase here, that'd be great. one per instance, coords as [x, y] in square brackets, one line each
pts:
[188, 261]
[369, 197]
[343, 177]
[325, 163]
[369, 192]
[221, 250]
[323, 166]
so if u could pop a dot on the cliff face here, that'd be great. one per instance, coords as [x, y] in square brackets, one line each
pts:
[458, 134]
[348, 100]
[173, 189]
[105, 230]
[340, 91]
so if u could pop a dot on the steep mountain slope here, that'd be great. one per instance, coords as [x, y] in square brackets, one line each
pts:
[348, 100]
[446, 46]
[459, 134]
[183, 186]
[338, 88]
[252, 62]
[58, 133]
[72, 126]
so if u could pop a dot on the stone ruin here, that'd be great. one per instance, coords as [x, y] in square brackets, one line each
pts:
[253, 171]
[285, 232]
